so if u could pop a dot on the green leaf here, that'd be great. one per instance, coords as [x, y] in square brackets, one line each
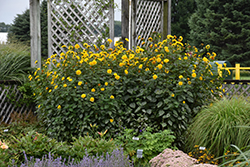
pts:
[161, 112]
[158, 91]
[163, 124]
[170, 122]
[149, 111]
[130, 91]
[159, 104]
[132, 105]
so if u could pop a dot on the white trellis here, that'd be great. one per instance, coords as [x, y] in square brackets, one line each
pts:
[79, 21]
[141, 17]
[145, 17]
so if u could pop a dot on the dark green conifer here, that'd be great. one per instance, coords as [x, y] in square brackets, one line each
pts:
[225, 26]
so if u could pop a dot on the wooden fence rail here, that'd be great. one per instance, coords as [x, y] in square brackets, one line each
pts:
[10, 96]
[237, 69]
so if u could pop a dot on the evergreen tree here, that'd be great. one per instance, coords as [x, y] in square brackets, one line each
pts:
[20, 29]
[224, 25]
[181, 11]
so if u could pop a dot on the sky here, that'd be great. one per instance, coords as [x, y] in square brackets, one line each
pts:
[10, 8]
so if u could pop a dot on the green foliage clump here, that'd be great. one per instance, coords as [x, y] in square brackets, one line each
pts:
[225, 26]
[151, 86]
[93, 146]
[151, 143]
[218, 126]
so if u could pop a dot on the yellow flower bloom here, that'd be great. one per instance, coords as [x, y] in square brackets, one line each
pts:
[180, 83]
[78, 72]
[160, 66]
[93, 90]
[39, 106]
[126, 72]
[63, 46]
[111, 120]
[147, 69]
[189, 82]
[50, 90]
[77, 46]
[64, 85]
[194, 75]
[166, 49]
[185, 58]
[63, 78]
[155, 76]
[180, 77]
[59, 107]
[150, 39]
[80, 83]
[140, 66]
[102, 89]
[172, 95]
[83, 96]
[166, 60]
[117, 77]
[56, 87]
[110, 40]
[208, 46]
[92, 99]
[112, 97]
[109, 71]
[183, 102]
[127, 39]
[158, 59]
[179, 58]
[201, 78]
[106, 83]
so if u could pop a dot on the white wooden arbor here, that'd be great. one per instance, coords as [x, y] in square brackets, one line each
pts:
[153, 15]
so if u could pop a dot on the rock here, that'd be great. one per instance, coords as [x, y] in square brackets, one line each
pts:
[176, 158]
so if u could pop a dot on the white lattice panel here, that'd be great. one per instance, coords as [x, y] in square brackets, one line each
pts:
[148, 18]
[78, 21]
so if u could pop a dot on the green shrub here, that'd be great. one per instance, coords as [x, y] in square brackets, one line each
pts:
[152, 144]
[162, 86]
[87, 144]
[216, 127]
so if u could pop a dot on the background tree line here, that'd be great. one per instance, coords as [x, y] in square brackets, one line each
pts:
[4, 27]
[224, 25]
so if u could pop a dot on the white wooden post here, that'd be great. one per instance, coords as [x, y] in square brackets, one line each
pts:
[49, 28]
[35, 33]
[112, 26]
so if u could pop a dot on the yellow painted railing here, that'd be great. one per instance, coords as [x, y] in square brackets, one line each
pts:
[237, 69]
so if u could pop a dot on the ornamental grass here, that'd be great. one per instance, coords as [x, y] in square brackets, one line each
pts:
[218, 126]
